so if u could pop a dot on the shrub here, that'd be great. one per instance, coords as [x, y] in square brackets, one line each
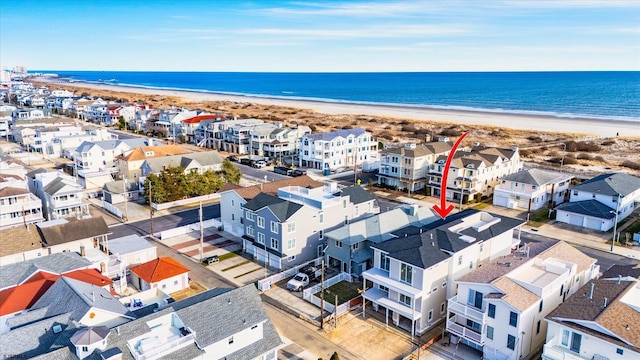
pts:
[525, 153]
[386, 135]
[450, 132]
[535, 139]
[347, 127]
[583, 156]
[631, 164]
[608, 143]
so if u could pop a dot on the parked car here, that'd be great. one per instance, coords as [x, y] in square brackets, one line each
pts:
[298, 282]
[298, 172]
[211, 260]
[260, 163]
[283, 170]
[245, 161]
[232, 158]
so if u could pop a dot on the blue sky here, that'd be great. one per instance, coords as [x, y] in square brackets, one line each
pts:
[321, 36]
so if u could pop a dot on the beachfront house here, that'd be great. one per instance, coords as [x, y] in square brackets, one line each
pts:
[289, 229]
[407, 167]
[473, 173]
[500, 307]
[601, 201]
[532, 189]
[413, 274]
[340, 149]
[276, 142]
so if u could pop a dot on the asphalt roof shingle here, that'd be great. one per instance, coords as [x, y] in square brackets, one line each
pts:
[590, 207]
[610, 184]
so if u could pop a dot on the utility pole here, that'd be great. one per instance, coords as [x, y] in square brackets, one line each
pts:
[150, 208]
[125, 193]
[201, 233]
[322, 296]
[335, 312]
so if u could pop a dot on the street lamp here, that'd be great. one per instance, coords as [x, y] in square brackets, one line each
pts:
[615, 224]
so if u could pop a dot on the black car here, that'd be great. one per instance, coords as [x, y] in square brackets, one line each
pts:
[298, 172]
[211, 260]
[246, 161]
[232, 158]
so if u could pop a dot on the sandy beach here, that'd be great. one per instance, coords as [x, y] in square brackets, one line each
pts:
[532, 123]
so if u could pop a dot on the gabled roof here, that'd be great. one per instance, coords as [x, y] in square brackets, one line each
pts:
[159, 269]
[79, 297]
[282, 209]
[19, 239]
[536, 177]
[584, 308]
[23, 296]
[57, 263]
[424, 149]
[199, 118]
[271, 188]
[589, 207]
[357, 194]
[158, 151]
[60, 186]
[610, 184]
[37, 337]
[12, 191]
[89, 335]
[66, 230]
[118, 186]
[334, 134]
[625, 271]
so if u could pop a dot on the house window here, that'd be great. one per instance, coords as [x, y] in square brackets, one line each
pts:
[444, 284]
[249, 215]
[233, 203]
[405, 299]
[513, 319]
[492, 311]
[406, 273]
[473, 325]
[291, 227]
[355, 246]
[575, 193]
[346, 219]
[339, 243]
[434, 289]
[540, 306]
[576, 340]
[460, 260]
[260, 238]
[481, 247]
[565, 337]
[511, 342]
[261, 222]
[291, 243]
[538, 327]
[250, 231]
[231, 340]
[274, 243]
[85, 348]
[344, 203]
[619, 351]
[383, 288]
[430, 315]
[320, 234]
[475, 299]
[321, 218]
[274, 227]
[384, 261]
[442, 308]
[489, 332]
[561, 289]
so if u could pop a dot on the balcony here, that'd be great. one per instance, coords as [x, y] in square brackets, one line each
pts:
[556, 352]
[467, 311]
[463, 331]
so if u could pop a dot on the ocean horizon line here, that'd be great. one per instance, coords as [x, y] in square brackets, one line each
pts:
[38, 71]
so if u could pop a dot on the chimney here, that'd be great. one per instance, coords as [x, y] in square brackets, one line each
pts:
[83, 253]
[591, 291]
[605, 302]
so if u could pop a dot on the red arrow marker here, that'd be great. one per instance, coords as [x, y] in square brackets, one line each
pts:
[443, 210]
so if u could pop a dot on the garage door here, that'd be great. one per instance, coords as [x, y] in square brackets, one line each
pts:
[595, 224]
[500, 201]
[576, 220]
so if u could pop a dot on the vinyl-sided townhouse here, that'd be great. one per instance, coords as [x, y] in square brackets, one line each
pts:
[413, 275]
[500, 307]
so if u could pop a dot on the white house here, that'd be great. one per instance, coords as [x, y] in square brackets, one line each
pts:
[338, 149]
[413, 275]
[595, 202]
[531, 189]
[18, 206]
[500, 307]
[164, 274]
[600, 321]
[407, 167]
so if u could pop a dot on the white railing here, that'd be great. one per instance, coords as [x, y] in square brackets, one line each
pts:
[308, 292]
[463, 331]
[265, 284]
[465, 310]
[164, 348]
[167, 234]
[558, 353]
[193, 200]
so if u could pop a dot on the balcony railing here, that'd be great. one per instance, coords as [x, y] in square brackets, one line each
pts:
[559, 353]
[463, 331]
[466, 311]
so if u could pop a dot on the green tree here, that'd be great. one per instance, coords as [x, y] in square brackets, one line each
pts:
[158, 193]
[175, 183]
[230, 172]
[122, 123]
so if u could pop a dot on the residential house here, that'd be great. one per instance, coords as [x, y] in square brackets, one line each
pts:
[338, 149]
[215, 134]
[199, 162]
[119, 191]
[45, 143]
[60, 194]
[96, 156]
[163, 273]
[169, 123]
[413, 274]
[143, 114]
[233, 198]
[275, 141]
[500, 308]
[177, 331]
[289, 229]
[473, 173]
[407, 167]
[601, 201]
[133, 249]
[20, 297]
[73, 235]
[532, 189]
[600, 321]
[18, 206]
[129, 165]
[349, 247]
[28, 114]
[190, 126]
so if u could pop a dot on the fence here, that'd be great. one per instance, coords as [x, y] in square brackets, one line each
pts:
[265, 284]
[111, 208]
[308, 294]
[167, 234]
[193, 200]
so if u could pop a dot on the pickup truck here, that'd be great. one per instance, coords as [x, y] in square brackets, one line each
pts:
[302, 279]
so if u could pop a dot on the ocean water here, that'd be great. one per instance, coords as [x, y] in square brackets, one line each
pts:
[597, 94]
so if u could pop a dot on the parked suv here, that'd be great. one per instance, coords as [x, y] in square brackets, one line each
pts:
[298, 172]
[245, 161]
[260, 163]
